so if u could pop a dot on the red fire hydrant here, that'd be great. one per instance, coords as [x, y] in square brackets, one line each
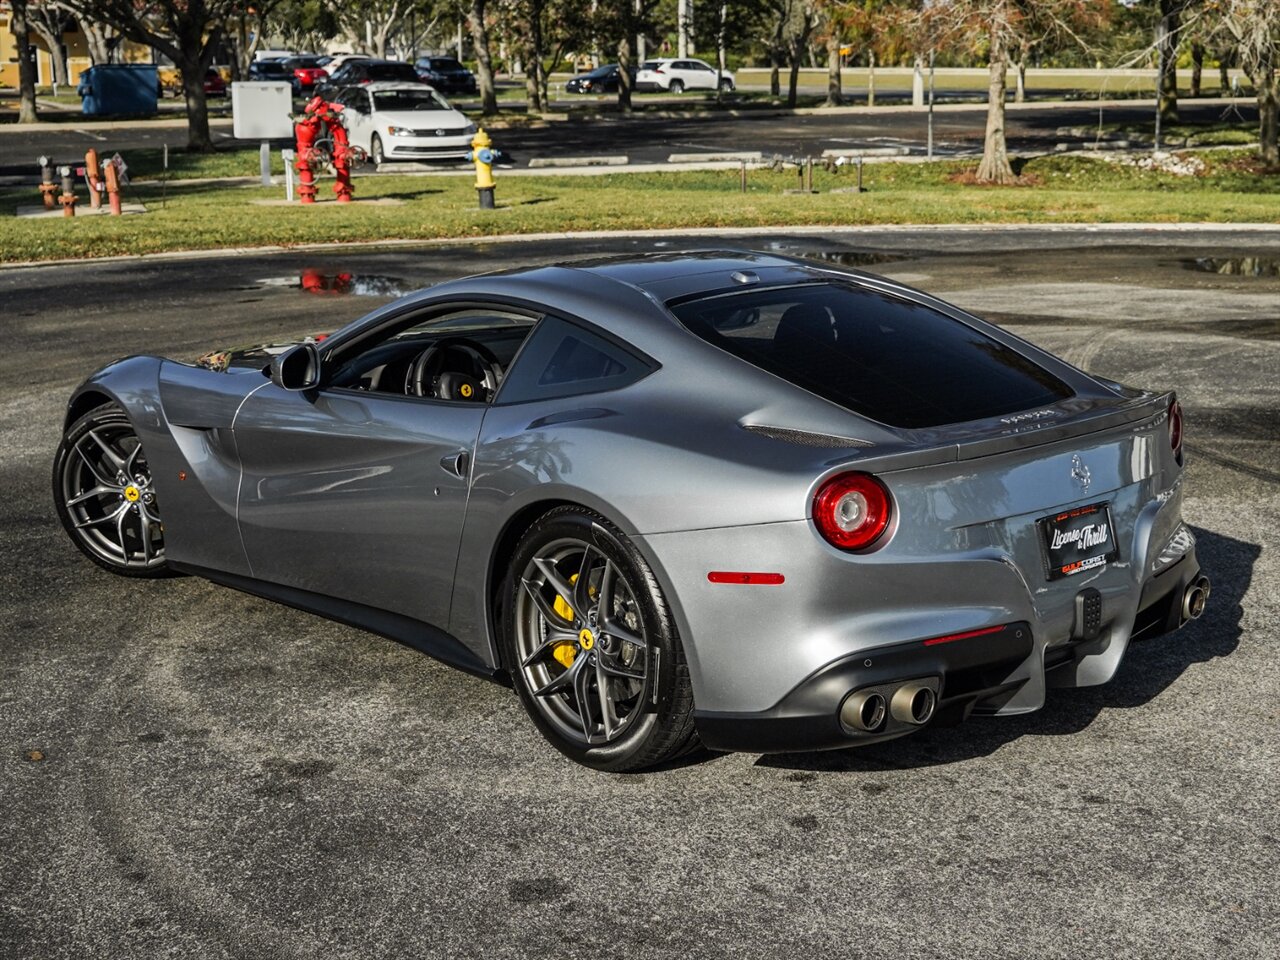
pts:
[307, 129]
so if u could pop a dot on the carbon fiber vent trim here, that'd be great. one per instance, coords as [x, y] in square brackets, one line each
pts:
[806, 439]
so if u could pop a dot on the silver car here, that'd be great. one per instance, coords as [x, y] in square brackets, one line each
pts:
[720, 498]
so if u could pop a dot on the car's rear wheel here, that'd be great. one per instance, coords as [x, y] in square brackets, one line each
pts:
[375, 150]
[676, 86]
[104, 495]
[591, 646]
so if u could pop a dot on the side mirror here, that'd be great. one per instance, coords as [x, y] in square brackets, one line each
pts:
[298, 368]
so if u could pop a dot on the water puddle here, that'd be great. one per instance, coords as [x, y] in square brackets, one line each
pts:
[1236, 266]
[843, 258]
[342, 284]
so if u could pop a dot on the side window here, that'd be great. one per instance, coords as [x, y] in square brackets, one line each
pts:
[565, 360]
[458, 353]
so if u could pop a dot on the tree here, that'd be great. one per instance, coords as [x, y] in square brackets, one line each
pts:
[1168, 37]
[21, 28]
[99, 37]
[1004, 26]
[484, 62]
[371, 23]
[1253, 28]
[302, 24]
[48, 19]
[188, 32]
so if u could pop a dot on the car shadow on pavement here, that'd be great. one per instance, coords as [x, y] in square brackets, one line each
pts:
[1149, 667]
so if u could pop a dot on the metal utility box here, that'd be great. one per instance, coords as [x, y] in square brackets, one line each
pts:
[119, 88]
[262, 110]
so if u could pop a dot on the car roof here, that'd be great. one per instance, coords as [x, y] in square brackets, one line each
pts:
[385, 86]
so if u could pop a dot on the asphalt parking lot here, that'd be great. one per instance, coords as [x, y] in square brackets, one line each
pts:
[188, 771]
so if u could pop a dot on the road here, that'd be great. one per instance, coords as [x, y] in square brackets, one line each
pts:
[957, 130]
[221, 777]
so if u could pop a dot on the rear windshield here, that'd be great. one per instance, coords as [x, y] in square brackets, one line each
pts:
[391, 71]
[894, 361]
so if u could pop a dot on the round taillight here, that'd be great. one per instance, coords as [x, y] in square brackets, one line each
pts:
[852, 510]
[1175, 426]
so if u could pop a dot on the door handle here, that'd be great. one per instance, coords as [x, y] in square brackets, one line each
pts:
[456, 463]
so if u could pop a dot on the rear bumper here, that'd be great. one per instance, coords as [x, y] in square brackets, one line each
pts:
[981, 672]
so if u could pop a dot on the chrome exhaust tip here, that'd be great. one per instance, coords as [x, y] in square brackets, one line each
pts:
[1194, 600]
[863, 711]
[913, 703]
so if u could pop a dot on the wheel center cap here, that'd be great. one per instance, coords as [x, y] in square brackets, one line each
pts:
[586, 639]
[132, 493]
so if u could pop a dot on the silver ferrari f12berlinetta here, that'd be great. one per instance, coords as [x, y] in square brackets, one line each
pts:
[718, 498]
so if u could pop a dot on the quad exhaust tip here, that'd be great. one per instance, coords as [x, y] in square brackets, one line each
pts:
[1194, 600]
[864, 711]
[913, 703]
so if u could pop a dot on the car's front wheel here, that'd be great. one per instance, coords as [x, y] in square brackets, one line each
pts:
[726, 85]
[375, 150]
[104, 495]
[591, 646]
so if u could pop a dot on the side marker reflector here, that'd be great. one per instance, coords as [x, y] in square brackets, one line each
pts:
[731, 576]
[963, 636]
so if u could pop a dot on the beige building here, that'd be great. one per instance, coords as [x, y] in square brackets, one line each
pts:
[74, 46]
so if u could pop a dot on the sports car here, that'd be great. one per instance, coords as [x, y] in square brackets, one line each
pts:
[721, 498]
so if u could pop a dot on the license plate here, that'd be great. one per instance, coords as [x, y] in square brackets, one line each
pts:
[1078, 540]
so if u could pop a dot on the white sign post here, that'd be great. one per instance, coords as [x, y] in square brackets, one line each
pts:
[262, 111]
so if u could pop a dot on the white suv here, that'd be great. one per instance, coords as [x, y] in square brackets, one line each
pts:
[677, 76]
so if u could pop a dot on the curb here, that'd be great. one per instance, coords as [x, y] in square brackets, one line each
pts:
[827, 230]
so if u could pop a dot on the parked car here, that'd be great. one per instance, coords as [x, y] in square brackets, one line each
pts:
[603, 79]
[404, 121]
[336, 61]
[677, 76]
[269, 54]
[169, 81]
[271, 70]
[446, 74]
[305, 72]
[357, 72]
[735, 498]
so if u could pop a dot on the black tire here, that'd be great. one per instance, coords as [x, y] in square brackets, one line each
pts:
[726, 85]
[658, 725]
[119, 527]
[676, 87]
[375, 151]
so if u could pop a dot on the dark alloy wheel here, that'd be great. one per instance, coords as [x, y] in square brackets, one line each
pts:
[104, 495]
[591, 646]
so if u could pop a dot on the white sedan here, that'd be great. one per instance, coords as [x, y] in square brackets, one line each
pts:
[677, 76]
[404, 121]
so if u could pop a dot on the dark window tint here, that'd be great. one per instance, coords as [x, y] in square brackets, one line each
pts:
[392, 71]
[892, 360]
[563, 360]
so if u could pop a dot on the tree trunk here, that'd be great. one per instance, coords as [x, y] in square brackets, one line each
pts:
[995, 166]
[1197, 67]
[871, 78]
[193, 71]
[835, 96]
[54, 43]
[793, 80]
[1020, 94]
[533, 77]
[96, 39]
[624, 72]
[775, 80]
[1224, 73]
[1267, 83]
[484, 64]
[1167, 45]
[26, 66]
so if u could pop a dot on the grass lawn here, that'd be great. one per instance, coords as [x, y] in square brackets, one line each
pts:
[1068, 189]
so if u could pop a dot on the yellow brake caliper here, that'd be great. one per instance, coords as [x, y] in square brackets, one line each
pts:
[565, 652]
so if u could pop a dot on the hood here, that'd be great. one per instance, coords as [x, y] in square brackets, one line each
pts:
[424, 119]
[256, 357]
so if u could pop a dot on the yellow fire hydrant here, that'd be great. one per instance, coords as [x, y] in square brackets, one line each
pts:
[483, 155]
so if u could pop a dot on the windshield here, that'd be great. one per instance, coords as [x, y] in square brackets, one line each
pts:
[423, 99]
[889, 359]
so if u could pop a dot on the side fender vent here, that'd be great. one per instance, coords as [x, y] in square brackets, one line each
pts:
[806, 439]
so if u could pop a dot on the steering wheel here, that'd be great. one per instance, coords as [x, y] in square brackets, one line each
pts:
[427, 376]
